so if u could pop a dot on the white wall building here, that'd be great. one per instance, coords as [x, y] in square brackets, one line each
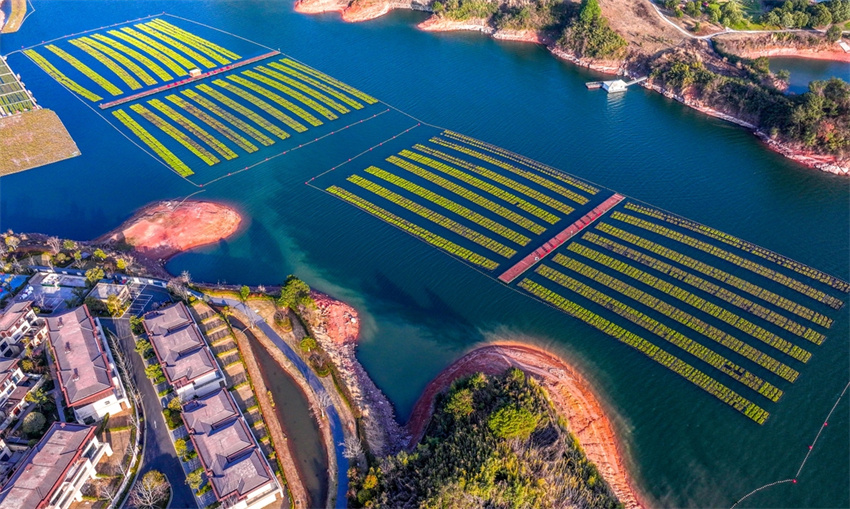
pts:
[84, 366]
[17, 321]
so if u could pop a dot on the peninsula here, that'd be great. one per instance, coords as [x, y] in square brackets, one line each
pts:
[691, 56]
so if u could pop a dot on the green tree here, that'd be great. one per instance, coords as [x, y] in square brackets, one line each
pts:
[589, 11]
[512, 421]
[121, 264]
[69, 244]
[180, 447]
[38, 396]
[244, 292]
[308, 344]
[294, 292]
[154, 371]
[33, 423]
[833, 33]
[94, 274]
[137, 325]
[100, 254]
[113, 305]
[175, 405]
[461, 403]
[194, 480]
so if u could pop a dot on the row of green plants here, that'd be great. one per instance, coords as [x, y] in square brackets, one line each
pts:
[211, 141]
[248, 113]
[18, 101]
[416, 231]
[450, 205]
[330, 80]
[528, 175]
[521, 159]
[318, 84]
[328, 114]
[482, 185]
[86, 70]
[751, 266]
[204, 61]
[161, 58]
[134, 68]
[268, 108]
[186, 38]
[469, 195]
[701, 304]
[304, 88]
[161, 73]
[166, 155]
[718, 275]
[743, 245]
[190, 144]
[664, 332]
[229, 117]
[497, 177]
[162, 48]
[109, 64]
[657, 354]
[183, 35]
[222, 129]
[718, 336]
[439, 219]
[60, 77]
[710, 288]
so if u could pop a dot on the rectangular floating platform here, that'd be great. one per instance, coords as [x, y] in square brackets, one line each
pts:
[541, 252]
[190, 79]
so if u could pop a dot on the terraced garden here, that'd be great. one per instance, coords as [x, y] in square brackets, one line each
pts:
[738, 321]
[13, 97]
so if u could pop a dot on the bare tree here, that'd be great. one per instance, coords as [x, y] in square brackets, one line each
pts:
[324, 400]
[151, 489]
[106, 490]
[352, 448]
[186, 277]
[55, 244]
[261, 289]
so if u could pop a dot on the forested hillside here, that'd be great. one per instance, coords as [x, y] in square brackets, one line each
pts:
[493, 441]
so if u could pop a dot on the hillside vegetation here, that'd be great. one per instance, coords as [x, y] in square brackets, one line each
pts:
[495, 442]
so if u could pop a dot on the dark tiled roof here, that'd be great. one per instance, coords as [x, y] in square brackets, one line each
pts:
[80, 359]
[12, 313]
[46, 466]
[178, 344]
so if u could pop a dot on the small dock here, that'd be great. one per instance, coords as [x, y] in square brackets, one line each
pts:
[558, 240]
[190, 79]
[613, 86]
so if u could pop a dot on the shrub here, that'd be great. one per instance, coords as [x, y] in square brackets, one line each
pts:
[512, 421]
[33, 423]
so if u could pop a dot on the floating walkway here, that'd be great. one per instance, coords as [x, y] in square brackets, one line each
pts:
[190, 79]
[613, 85]
[526, 263]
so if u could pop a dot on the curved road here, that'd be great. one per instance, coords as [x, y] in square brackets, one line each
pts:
[315, 384]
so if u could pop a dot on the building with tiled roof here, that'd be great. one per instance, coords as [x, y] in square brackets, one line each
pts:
[54, 471]
[234, 464]
[187, 362]
[84, 366]
[17, 323]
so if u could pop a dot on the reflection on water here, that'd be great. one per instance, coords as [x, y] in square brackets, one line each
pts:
[805, 70]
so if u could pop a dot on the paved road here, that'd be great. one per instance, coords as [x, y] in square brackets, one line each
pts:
[315, 384]
[159, 452]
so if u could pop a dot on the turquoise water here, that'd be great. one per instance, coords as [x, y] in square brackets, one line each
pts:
[420, 308]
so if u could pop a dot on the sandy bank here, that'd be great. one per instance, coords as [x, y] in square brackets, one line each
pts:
[163, 229]
[32, 139]
[835, 55]
[571, 394]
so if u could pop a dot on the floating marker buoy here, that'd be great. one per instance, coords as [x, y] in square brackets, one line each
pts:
[794, 481]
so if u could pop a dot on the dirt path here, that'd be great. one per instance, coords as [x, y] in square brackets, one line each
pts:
[569, 391]
[284, 454]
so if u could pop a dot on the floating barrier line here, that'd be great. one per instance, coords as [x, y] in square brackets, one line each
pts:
[217, 29]
[549, 246]
[301, 146]
[805, 459]
[42, 43]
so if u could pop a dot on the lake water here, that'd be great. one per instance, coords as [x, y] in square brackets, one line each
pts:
[804, 70]
[421, 309]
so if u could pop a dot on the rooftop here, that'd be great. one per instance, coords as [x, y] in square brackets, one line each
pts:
[102, 291]
[225, 445]
[46, 466]
[14, 312]
[84, 373]
[7, 367]
[178, 344]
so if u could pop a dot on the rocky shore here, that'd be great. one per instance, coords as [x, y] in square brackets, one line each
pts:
[371, 9]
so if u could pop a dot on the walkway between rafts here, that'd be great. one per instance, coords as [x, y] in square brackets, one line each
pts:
[541, 252]
[190, 79]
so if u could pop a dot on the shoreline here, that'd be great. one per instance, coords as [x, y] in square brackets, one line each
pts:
[160, 230]
[357, 13]
[568, 390]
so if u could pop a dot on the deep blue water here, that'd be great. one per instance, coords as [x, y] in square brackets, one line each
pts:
[805, 70]
[422, 309]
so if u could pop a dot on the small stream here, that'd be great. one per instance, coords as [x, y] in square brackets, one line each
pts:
[292, 410]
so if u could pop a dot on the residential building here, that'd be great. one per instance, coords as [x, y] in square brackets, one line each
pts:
[53, 473]
[235, 466]
[102, 292]
[10, 375]
[84, 366]
[18, 322]
[187, 362]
